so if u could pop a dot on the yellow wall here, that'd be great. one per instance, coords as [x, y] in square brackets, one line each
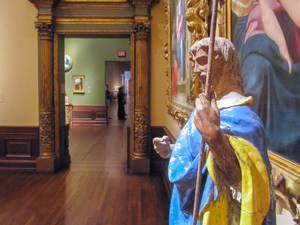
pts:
[159, 66]
[18, 64]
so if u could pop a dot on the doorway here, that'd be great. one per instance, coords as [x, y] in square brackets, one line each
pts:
[90, 57]
[86, 19]
[116, 76]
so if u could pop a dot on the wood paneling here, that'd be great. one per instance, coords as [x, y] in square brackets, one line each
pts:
[89, 114]
[19, 147]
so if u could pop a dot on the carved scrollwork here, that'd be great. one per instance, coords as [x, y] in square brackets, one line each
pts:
[166, 50]
[141, 30]
[286, 197]
[144, 2]
[287, 185]
[141, 131]
[45, 29]
[180, 115]
[42, 3]
[44, 23]
[197, 18]
[167, 29]
[197, 22]
[47, 130]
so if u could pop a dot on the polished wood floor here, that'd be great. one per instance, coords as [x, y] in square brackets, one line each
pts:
[96, 189]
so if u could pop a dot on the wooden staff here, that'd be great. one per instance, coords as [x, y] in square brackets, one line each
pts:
[207, 94]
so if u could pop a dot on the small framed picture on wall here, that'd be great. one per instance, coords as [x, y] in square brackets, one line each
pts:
[78, 84]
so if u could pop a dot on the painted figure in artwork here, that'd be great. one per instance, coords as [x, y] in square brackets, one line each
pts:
[267, 36]
[178, 41]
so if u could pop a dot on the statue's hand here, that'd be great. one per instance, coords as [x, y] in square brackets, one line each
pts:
[207, 119]
[162, 146]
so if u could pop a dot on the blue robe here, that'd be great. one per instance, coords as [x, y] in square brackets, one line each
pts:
[238, 121]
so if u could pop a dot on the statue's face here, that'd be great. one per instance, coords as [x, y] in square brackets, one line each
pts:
[201, 67]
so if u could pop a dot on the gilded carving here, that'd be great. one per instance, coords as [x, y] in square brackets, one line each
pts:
[287, 185]
[197, 14]
[166, 50]
[117, 4]
[286, 197]
[44, 29]
[141, 131]
[197, 22]
[178, 113]
[197, 18]
[94, 1]
[144, 2]
[47, 131]
[42, 3]
[44, 22]
[167, 29]
[141, 30]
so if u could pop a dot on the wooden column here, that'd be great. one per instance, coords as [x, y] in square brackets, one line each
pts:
[140, 124]
[47, 161]
[140, 161]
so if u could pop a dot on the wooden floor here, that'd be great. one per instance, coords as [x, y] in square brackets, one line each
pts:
[96, 190]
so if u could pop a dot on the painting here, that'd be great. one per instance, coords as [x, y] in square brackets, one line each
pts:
[269, 49]
[268, 45]
[180, 44]
[78, 84]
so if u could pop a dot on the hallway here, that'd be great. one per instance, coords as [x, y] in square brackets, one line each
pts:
[96, 190]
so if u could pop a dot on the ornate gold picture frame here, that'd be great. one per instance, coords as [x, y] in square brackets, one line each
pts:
[183, 31]
[179, 72]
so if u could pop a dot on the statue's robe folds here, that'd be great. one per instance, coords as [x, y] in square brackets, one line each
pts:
[246, 135]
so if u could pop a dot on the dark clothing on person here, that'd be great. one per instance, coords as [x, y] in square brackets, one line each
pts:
[108, 94]
[121, 102]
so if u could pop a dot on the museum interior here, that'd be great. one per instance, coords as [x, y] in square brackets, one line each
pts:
[66, 157]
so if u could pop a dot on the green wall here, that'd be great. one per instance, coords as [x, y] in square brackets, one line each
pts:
[89, 56]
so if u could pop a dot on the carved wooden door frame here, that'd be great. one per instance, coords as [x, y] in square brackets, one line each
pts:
[60, 18]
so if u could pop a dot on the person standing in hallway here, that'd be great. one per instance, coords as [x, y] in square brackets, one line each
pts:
[121, 102]
[108, 96]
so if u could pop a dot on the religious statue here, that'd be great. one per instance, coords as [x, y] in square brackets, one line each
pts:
[236, 186]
